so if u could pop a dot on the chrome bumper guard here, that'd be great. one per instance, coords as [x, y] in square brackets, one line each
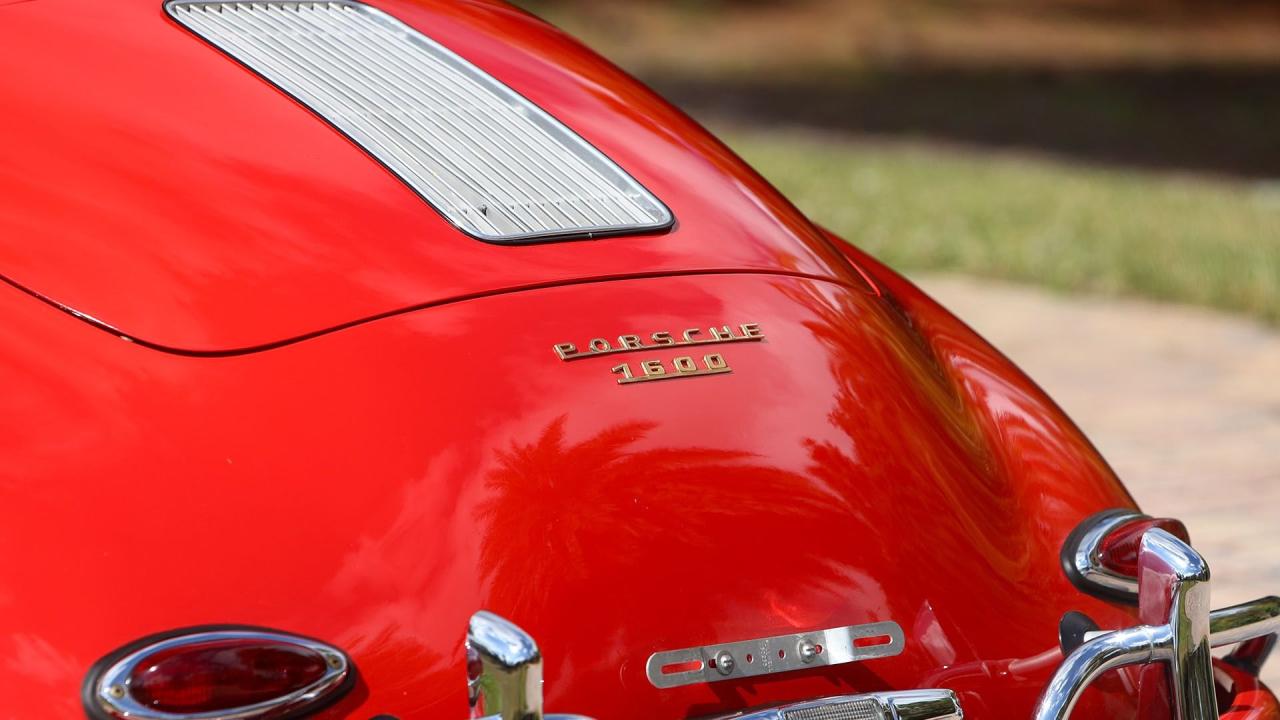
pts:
[1180, 630]
[504, 665]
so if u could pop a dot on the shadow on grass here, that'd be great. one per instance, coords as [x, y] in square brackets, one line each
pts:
[1218, 120]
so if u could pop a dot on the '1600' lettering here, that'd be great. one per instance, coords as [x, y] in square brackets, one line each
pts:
[747, 332]
[683, 366]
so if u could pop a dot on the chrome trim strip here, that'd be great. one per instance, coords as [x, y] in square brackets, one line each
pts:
[766, 656]
[923, 705]
[552, 716]
[111, 691]
[902, 705]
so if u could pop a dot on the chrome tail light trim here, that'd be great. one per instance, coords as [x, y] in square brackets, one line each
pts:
[1082, 557]
[489, 160]
[107, 693]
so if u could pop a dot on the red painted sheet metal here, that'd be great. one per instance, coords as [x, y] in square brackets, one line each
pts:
[1248, 698]
[154, 184]
[870, 460]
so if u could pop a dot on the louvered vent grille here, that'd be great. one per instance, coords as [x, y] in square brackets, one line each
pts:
[490, 161]
[851, 710]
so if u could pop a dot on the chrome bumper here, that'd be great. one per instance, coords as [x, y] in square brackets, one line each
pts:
[1172, 590]
[904, 705]
[1105, 651]
[505, 667]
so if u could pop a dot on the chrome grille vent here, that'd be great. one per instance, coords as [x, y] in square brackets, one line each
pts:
[489, 160]
[862, 709]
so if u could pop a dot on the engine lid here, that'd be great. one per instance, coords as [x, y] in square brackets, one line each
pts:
[162, 190]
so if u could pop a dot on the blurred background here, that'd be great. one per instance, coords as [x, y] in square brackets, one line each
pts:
[1092, 184]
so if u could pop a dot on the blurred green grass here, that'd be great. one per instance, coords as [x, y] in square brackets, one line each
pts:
[1107, 146]
[1182, 238]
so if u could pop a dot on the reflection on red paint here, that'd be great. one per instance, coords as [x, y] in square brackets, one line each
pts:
[855, 468]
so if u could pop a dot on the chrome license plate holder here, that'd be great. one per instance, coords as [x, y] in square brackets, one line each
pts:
[776, 654]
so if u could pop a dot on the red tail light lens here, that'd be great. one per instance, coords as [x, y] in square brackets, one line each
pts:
[1101, 555]
[1118, 551]
[223, 674]
[246, 673]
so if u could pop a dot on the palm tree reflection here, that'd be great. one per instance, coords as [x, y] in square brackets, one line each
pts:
[607, 502]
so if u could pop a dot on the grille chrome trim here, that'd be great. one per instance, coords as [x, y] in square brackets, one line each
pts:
[865, 709]
[491, 162]
[932, 704]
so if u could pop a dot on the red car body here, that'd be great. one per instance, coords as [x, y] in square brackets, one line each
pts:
[250, 377]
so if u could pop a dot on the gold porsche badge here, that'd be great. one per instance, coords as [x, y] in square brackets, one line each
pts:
[683, 366]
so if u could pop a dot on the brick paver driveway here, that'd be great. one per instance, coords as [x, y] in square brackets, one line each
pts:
[1184, 404]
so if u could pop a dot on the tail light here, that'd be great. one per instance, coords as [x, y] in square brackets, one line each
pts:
[219, 672]
[1118, 551]
[1101, 555]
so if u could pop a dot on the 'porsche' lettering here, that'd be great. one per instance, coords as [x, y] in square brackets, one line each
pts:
[747, 332]
[724, 332]
[667, 368]
[681, 367]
